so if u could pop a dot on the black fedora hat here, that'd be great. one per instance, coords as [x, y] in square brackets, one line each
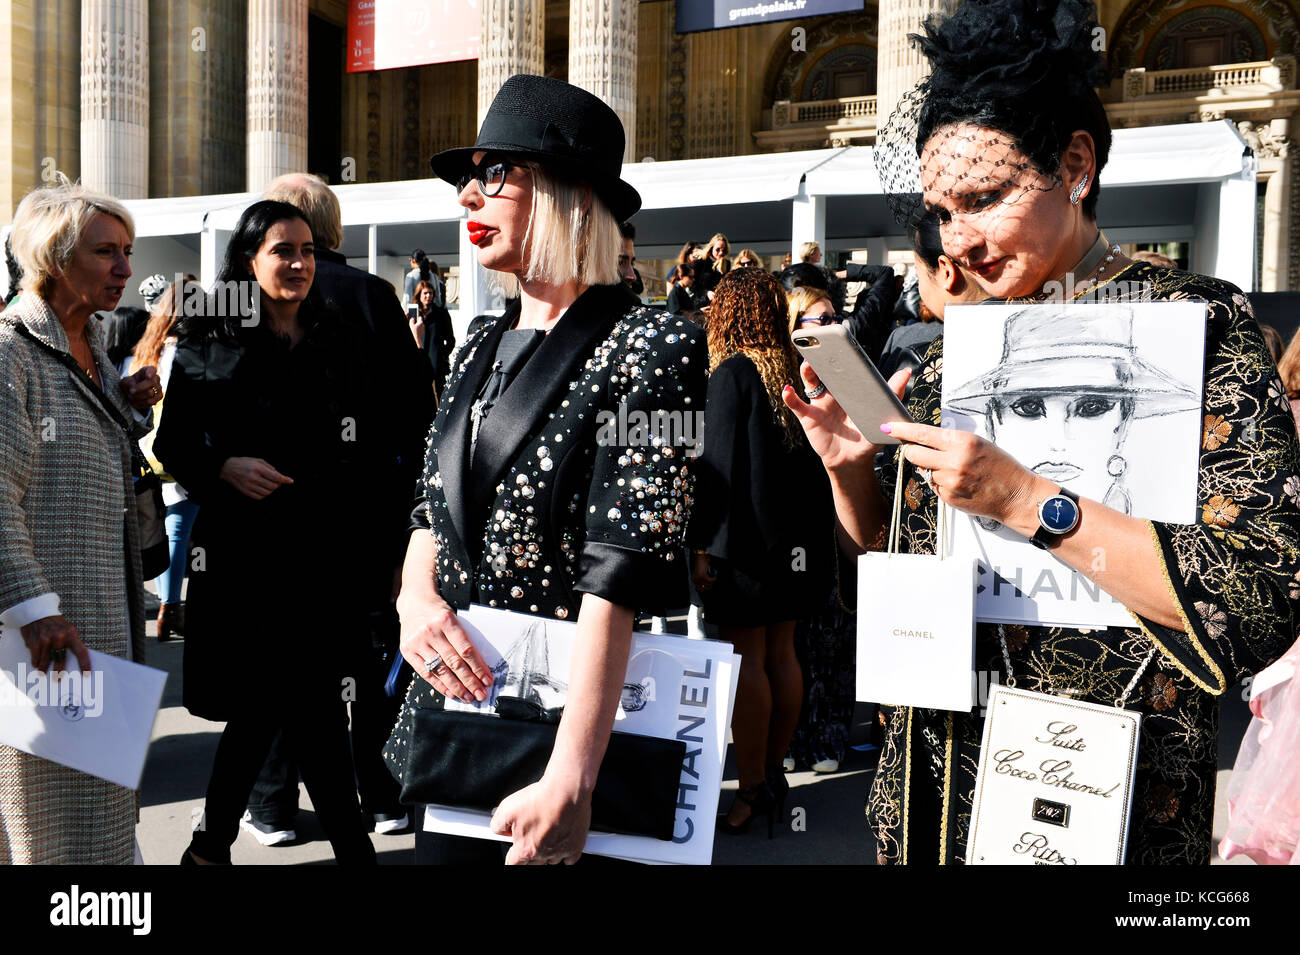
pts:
[566, 129]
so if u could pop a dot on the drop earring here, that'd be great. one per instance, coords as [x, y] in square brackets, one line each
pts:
[1077, 192]
[1117, 496]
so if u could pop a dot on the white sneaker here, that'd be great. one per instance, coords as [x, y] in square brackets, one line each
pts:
[387, 825]
[265, 834]
[787, 764]
[824, 766]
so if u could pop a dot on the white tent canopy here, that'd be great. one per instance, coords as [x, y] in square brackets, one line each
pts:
[1192, 182]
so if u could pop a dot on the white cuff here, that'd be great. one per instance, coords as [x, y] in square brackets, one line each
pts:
[31, 610]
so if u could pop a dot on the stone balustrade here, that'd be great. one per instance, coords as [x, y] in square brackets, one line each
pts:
[1265, 76]
[846, 110]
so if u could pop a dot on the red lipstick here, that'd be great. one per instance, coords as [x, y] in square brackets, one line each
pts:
[478, 231]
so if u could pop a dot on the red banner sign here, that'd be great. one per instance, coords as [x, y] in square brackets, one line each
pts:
[386, 34]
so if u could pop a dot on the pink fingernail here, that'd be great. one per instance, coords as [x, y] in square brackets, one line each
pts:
[887, 429]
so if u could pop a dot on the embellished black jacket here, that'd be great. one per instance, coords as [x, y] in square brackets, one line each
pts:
[581, 478]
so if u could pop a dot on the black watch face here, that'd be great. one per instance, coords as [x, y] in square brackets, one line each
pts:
[1058, 514]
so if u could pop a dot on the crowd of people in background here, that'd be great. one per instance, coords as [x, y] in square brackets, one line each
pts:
[796, 632]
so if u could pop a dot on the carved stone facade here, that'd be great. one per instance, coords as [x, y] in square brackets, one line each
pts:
[40, 96]
[277, 90]
[901, 66]
[115, 97]
[512, 41]
[603, 57]
[197, 103]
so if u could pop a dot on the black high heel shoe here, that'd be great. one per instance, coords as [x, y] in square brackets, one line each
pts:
[760, 802]
[780, 788]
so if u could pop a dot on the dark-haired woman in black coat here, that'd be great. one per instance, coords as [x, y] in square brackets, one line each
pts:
[276, 426]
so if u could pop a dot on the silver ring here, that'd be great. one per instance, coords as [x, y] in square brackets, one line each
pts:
[432, 663]
[817, 392]
[925, 476]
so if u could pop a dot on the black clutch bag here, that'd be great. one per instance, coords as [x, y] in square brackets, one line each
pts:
[471, 761]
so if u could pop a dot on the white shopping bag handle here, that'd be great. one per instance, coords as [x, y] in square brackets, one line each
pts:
[943, 543]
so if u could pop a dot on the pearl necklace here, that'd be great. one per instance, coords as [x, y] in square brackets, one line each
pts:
[1093, 280]
[1094, 262]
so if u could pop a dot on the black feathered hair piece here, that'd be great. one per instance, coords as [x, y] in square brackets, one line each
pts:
[1026, 69]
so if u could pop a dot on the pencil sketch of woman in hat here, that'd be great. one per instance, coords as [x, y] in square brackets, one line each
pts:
[1063, 397]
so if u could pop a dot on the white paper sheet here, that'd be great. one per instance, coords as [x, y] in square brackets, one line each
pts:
[675, 689]
[99, 723]
[1102, 399]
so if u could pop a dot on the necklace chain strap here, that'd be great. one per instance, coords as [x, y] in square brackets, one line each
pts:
[1119, 702]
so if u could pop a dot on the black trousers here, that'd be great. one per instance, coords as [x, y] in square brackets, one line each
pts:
[274, 799]
[316, 731]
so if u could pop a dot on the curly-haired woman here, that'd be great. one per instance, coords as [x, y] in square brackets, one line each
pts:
[762, 528]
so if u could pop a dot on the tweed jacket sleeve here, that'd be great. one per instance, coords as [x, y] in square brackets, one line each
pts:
[21, 578]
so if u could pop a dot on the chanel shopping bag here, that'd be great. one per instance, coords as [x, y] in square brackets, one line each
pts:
[916, 621]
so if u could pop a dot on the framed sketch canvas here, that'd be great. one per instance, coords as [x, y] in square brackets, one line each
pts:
[1104, 399]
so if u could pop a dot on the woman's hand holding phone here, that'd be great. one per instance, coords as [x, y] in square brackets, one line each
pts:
[830, 431]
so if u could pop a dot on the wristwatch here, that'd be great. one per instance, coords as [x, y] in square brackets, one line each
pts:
[1057, 516]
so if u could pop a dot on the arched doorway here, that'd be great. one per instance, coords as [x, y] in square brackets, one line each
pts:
[838, 59]
[1180, 34]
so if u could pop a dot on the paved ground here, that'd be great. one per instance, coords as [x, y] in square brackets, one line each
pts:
[832, 806]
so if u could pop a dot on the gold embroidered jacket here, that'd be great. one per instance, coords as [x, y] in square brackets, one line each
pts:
[1234, 577]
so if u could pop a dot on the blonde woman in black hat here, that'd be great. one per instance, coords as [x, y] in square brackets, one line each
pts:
[523, 508]
[1011, 139]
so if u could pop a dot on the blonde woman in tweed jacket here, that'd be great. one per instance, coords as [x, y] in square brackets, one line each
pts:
[69, 575]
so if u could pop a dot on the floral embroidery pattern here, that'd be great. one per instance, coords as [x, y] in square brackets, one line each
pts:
[1161, 804]
[1161, 693]
[932, 371]
[1220, 511]
[1216, 432]
[1292, 489]
[1277, 393]
[1016, 637]
[913, 494]
[1214, 619]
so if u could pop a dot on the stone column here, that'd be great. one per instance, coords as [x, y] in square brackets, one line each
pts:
[115, 97]
[512, 41]
[197, 97]
[899, 65]
[602, 57]
[277, 90]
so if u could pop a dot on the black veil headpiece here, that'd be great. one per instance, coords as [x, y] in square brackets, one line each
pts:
[1026, 69]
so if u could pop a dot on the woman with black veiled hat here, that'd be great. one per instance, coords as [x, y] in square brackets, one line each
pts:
[1011, 139]
[524, 509]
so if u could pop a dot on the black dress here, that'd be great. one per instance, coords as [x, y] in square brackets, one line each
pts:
[763, 509]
